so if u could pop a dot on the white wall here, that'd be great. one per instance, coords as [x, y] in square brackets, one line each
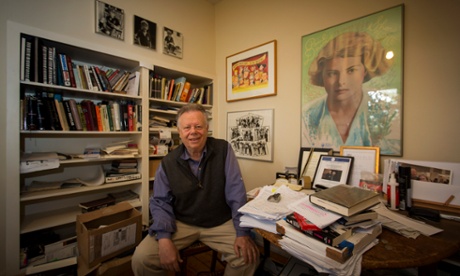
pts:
[431, 68]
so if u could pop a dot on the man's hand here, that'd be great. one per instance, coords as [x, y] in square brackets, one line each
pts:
[169, 255]
[246, 247]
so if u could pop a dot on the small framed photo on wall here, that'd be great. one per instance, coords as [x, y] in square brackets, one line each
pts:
[110, 20]
[145, 32]
[173, 43]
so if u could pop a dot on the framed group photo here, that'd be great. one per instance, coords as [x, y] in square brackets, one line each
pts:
[352, 84]
[110, 20]
[251, 134]
[252, 73]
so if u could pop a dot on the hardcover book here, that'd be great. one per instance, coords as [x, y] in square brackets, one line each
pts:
[331, 235]
[345, 200]
[96, 204]
[114, 177]
[359, 217]
[300, 222]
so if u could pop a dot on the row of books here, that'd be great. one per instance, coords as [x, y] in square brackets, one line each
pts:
[45, 64]
[179, 90]
[50, 111]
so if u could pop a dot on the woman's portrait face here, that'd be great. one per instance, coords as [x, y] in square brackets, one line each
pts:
[343, 78]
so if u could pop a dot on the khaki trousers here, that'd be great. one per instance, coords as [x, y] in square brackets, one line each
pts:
[146, 261]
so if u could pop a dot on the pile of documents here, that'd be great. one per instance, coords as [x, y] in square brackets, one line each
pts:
[342, 259]
[263, 214]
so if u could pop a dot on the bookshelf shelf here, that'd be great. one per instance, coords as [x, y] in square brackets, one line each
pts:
[48, 194]
[40, 221]
[72, 92]
[51, 266]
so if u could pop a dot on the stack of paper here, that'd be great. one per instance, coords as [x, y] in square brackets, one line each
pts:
[261, 213]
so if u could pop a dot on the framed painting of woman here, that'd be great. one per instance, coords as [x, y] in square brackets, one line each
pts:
[352, 84]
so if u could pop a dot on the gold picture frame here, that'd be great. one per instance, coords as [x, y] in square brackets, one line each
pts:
[252, 73]
[366, 159]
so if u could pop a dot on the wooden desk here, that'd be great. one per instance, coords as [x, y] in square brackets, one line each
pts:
[395, 251]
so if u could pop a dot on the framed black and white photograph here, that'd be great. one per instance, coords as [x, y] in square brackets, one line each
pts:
[145, 33]
[251, 134]
[173, 43]
[332, 171]
[110, 20]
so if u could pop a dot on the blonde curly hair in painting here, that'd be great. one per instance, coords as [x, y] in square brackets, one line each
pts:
[351, 44]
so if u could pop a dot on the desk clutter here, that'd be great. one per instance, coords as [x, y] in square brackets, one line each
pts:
[316, 232]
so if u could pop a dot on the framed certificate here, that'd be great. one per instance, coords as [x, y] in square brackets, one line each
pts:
[332, 171]
[366, 160]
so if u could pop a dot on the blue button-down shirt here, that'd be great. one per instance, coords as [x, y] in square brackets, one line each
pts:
[161, 208]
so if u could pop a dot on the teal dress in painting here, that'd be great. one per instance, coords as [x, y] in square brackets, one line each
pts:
[319, 129]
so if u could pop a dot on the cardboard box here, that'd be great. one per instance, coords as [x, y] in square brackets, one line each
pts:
[61, 250]
[153, 166]
[116, 267]
[108, 232]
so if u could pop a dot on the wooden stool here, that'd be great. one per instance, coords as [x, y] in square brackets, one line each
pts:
[195, 249]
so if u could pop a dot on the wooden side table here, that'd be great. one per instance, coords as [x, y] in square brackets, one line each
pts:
[396, 252]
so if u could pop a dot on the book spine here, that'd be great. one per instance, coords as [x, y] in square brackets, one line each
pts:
[84, 81]
[44, 64]
[52, 79]
[75, 115]
[88, 77]
[139, 117]
[93, 116]
[76, 74]
[27, 72]
[61, 112]
[116, 116]
[71, 72]
[99, 123]
[86, 109]
[125, 177]
[130, 117]
[185, 91]
[32, 120]
[82, 117]
[94, 80]
[97, 77]
[42, 118]
[105, 117]
[68, 114]
[56, 124]
[109, 115]
[64, 70]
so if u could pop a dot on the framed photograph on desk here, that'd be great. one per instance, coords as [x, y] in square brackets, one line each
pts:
[332, 171]
[308, 161]
[366, 159]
